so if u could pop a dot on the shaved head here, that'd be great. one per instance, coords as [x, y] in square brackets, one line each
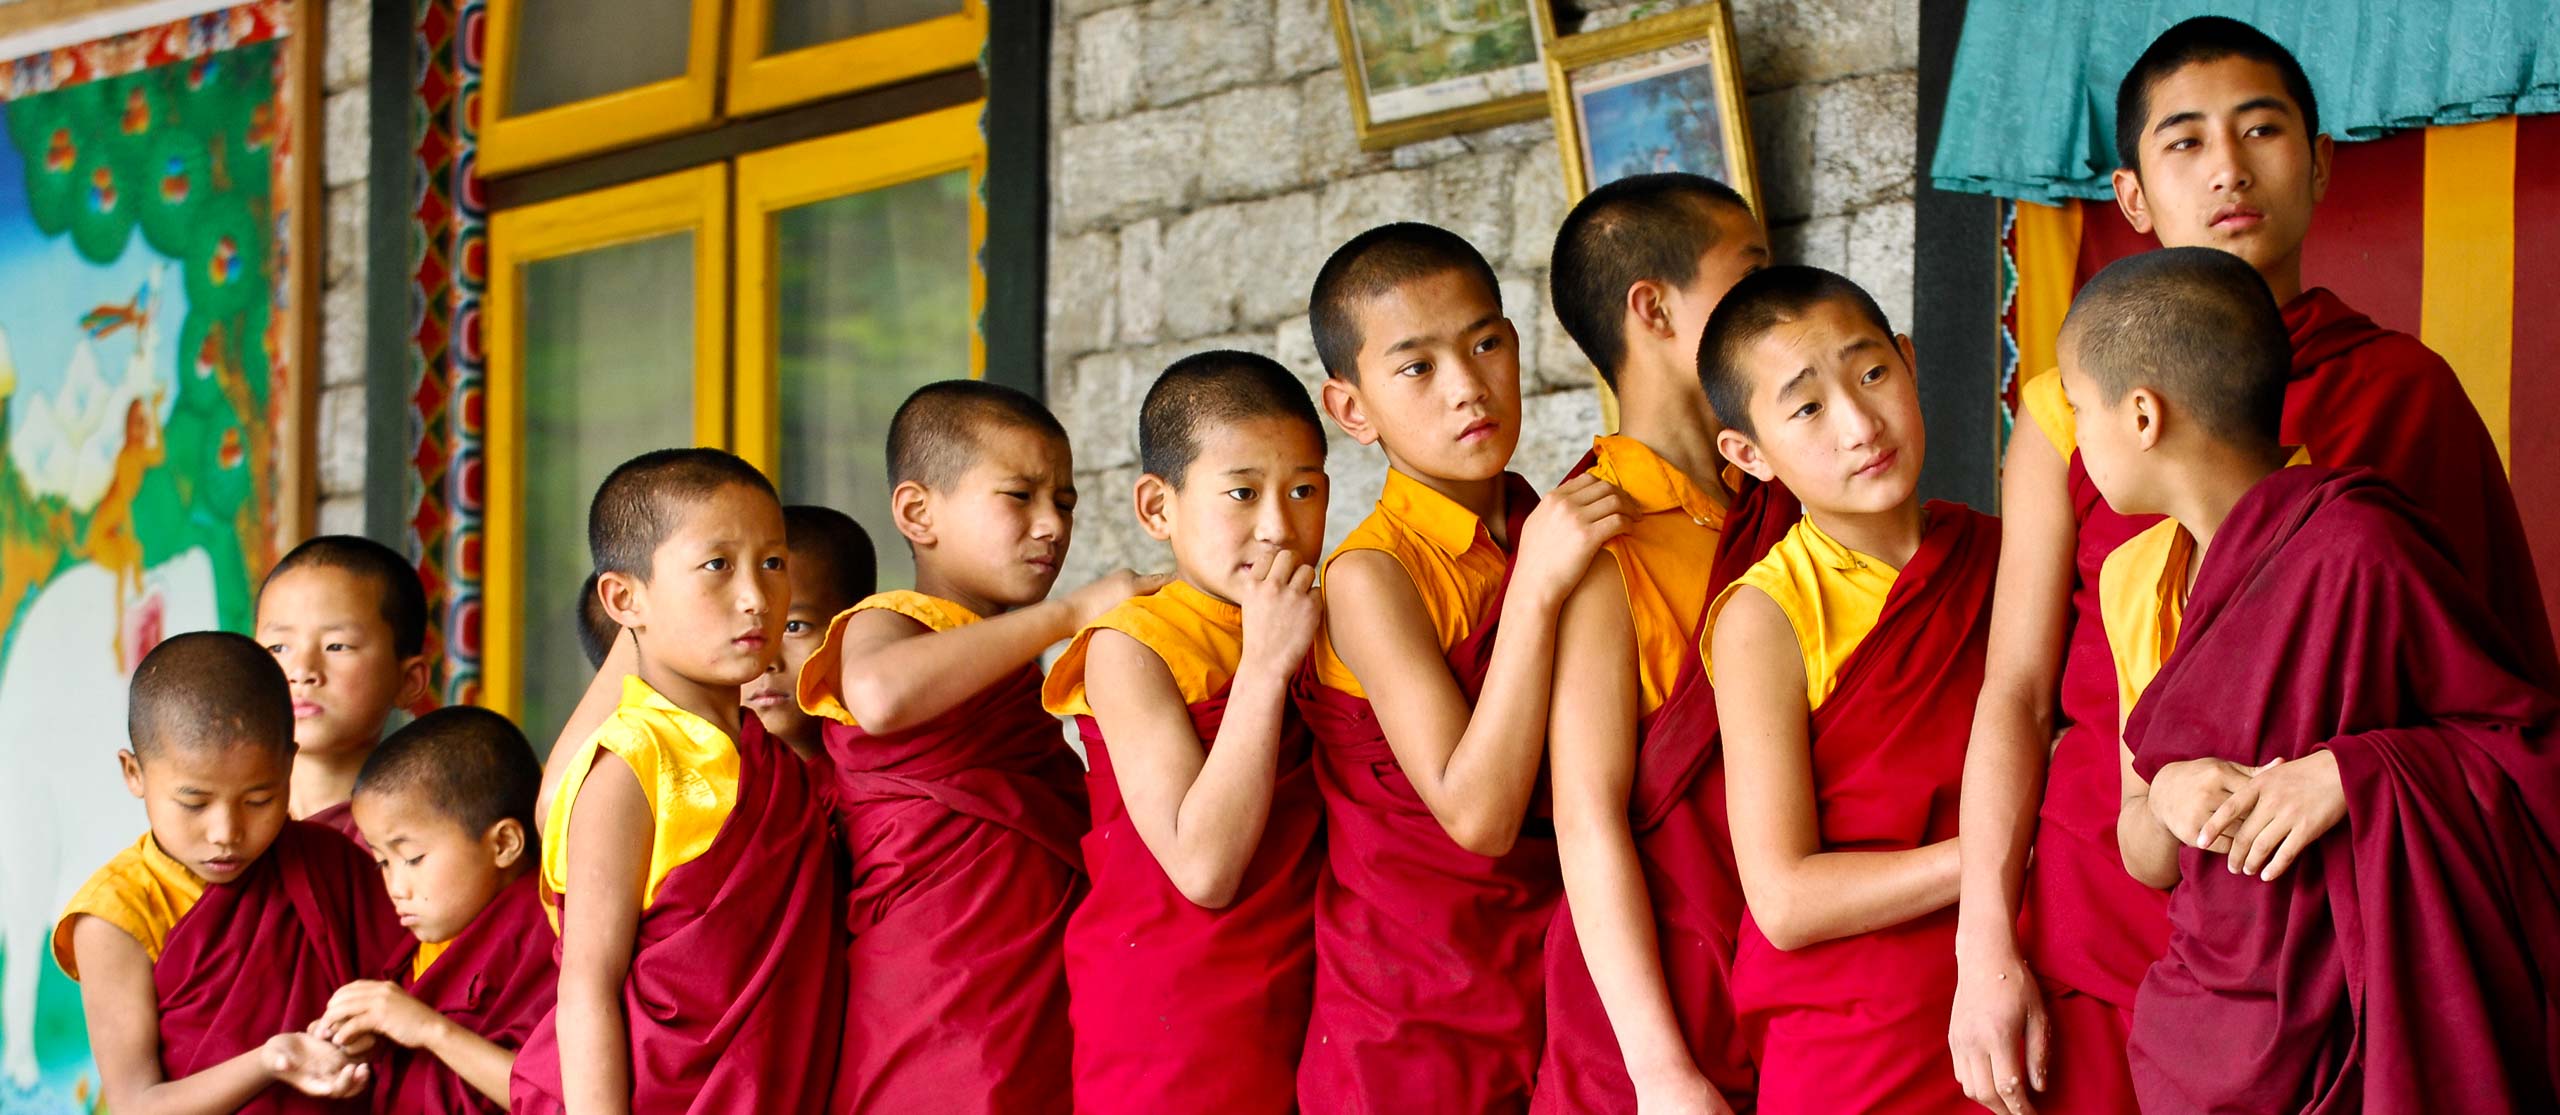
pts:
[467, 763]
[2196, 325]
[209, 689]
[935, 436]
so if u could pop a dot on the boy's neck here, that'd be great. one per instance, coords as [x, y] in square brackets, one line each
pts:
[2215, 480]
[1484, 498]
[935, 582]
[715, 703]
[1667, 411]
[1891, 536]
[322, 779]
[806, 745]
[2284, 277]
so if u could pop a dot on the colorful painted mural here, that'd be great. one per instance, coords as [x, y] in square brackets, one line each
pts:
[143, 218]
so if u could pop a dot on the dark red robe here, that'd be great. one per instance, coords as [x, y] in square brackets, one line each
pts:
[961, 833]
[1427, 986]
[1179, 1008]
[1860, 1023]
[737, 974]
[342, 817]
[1685, 847]
[2360, 395]
[496, 978]
[2406, 961]
[261, 955]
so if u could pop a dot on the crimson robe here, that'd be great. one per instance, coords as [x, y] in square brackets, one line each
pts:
[496, 978]
[2405, 961]
[2360, 395]
[1685, 846]
[342, 817]
[737, 971]
[1427, 985]
[261, 955]
[1180, 1008]
[961, 833]
[1860, 1023]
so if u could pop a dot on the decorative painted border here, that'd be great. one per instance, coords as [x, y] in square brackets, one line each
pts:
[134, 51]
[449, 277]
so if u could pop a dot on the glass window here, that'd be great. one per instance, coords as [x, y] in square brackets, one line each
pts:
[872, 300]
[608, 374]
[796, 24]
[568, 51]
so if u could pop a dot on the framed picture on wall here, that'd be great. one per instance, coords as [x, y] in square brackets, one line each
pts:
[1658, 94]
[1421, 69]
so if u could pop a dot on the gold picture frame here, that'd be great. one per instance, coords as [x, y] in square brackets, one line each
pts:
[1432, 98]
[1636, 65]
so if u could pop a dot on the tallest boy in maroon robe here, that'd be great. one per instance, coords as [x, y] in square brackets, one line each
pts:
[2340, 772]
[2218, 133]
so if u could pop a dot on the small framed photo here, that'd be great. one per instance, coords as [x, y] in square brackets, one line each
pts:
[1422, 69]
[1658, 94]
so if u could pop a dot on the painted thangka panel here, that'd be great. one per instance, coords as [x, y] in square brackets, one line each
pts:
[144, 344]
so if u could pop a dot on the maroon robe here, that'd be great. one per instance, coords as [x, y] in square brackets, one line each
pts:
[2405, 961]
[961, 833]
[342, 817]
[1427, 986]
[1685, 847]
[2360, 395]
[1178, 1008]
[737, 972]
[496, 978]
[1860, 1023]
[261, 955]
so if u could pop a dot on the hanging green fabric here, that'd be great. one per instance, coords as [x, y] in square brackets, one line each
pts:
[2031, 109]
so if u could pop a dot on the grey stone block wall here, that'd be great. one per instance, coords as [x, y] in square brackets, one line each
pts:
[1204, 163]
[347, 134]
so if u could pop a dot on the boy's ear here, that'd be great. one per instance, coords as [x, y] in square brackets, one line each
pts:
[413, 680]
[1343, 404]
[911, 508]
[1644, 310]
[505, 842]
[2137, 207]
[2142, 406]
[2322, 151]
[621, 595]
[132, 768]
[1910, 356]
[1153, 498]
[1744, 454]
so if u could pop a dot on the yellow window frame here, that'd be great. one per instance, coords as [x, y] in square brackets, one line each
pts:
[936, 142]
[695, 201]
[760, 82]
[510, 142]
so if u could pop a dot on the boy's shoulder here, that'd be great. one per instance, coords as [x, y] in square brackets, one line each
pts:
[140, 890]
[1199, 638]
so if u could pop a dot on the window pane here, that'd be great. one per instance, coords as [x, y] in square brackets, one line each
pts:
[806, 23]
[873, 302]
[570, 50]
[608, 375]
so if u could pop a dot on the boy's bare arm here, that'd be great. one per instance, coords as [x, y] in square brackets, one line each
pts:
[123, 1013]
[1799, 894]
[1592, 736]
[609, 841]
[377, 1007]
[1473, 767]
[895, 673]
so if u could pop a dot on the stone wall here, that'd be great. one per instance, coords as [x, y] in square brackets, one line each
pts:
[345, 156]
[1203, 163]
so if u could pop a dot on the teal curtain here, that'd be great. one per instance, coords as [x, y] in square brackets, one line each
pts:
[2031, 109]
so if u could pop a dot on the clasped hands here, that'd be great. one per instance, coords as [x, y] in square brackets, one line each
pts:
[2261, 817]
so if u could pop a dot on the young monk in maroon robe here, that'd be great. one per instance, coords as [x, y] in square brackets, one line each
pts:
[1638, 967]
[1191, 963]
[687, 859]
[203, 950]
[2219, 136]
[347, 619]
[2340, 771]
[1428, 730]
[446, 804]
[832, 568]
[959, 802]
[1845, 664]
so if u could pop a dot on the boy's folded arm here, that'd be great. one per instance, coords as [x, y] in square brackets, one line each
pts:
[1474, 768]
[2008, 752]
[1592, 731]
[2150, 850]
[1200, 810]
[123, 1012]
[608, 873]
[895, 673]
[1799, 894]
